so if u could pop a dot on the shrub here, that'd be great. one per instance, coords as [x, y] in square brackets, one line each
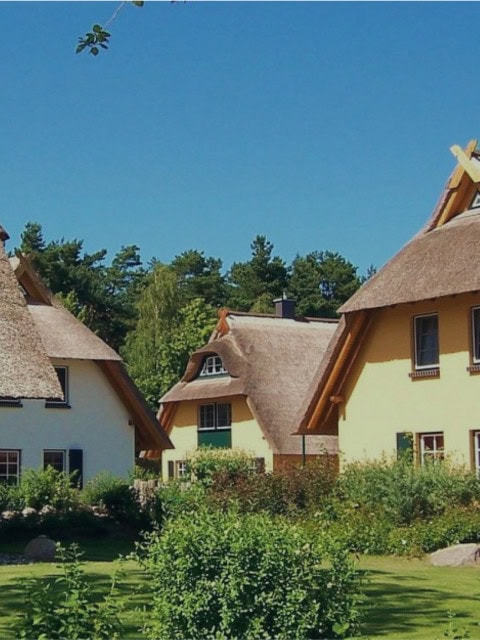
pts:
[64, 608]
[221, 575]
[173, 500]
[205, 463]
[455, 526]
[46, 487]
[406, 492]
[114, 495]
[289, 491]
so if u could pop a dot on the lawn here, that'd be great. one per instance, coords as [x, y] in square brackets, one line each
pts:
[410, 599]
[406, 599]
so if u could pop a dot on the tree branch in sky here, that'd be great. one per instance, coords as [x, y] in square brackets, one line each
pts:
[99, 38]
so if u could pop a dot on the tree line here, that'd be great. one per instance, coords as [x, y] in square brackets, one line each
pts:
[156, 314]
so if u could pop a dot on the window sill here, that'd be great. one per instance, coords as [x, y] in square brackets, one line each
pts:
[57, 405]
[473, 368]
[420, 374]
[12, 404]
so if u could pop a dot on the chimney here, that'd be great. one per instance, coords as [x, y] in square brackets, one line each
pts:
[284, 307]
[3, 234]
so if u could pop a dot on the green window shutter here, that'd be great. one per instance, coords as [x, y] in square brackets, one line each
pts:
[221, 438]
[171, 469]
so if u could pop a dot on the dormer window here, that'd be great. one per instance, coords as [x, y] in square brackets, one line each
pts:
[476, 201]
[212, 366]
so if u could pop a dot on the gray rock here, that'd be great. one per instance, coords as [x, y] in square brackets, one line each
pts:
[457, 556]
[40, 549]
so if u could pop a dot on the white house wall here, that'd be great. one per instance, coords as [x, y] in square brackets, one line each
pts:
[97, 423]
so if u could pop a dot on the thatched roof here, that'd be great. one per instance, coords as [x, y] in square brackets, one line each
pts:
[60, 335]
[25, 370]
[271, 361]
[440, 262]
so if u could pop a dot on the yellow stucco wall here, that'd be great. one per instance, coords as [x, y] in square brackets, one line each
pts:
[381, 399]
[246, 433]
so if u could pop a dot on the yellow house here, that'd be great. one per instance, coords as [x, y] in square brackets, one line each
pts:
[403, 367]
[244, 389]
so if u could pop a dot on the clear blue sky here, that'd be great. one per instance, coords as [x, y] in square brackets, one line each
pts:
[320, 125]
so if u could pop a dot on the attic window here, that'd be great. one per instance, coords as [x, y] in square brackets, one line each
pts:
[476, 201]
[58, 403]
[212, 366]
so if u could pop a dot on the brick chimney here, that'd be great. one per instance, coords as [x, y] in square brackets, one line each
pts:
[284, 307]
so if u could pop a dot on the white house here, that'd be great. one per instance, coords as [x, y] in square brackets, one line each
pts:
[66, 399]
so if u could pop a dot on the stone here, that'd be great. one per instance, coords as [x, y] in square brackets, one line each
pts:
[40, 549]
[457, 555]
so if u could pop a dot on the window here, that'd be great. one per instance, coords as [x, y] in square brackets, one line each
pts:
[476, 335]
[9, 466]
[215, 425]
[8, 401]
[54, 458]
[52, 403]
[476, 201]
[476, 451]
[426, 341]
[432, 448]
[181, 469]
[212, 366]
[215, 416]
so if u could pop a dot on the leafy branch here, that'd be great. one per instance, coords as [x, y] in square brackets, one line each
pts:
[99, 38]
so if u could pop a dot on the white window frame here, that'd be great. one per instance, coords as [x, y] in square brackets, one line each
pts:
[215, 426]
[475, 356]
[5, 477]
[476, 451]
[181, 471]
[436, 454]
[55, 402]
[212, 366]
[419, 367]
[64, 456]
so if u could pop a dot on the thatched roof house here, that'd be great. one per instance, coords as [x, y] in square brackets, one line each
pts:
[441, 261]
[270, 363]
[39, 336]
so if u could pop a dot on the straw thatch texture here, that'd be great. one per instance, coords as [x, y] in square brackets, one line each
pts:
[64, 336]
[271, 361]
[26, 371]
[436, 263]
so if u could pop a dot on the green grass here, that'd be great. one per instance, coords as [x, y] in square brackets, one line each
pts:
[410, 599]
[406, 599]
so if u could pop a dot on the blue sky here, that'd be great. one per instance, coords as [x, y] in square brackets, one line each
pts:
[321, 125]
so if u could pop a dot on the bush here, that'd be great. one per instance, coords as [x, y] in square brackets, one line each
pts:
[290, 491]
[173, 500]
[64, 608]
[406, 492]
[205, 463]
[222, 576]
[115, 496]
[45, 487]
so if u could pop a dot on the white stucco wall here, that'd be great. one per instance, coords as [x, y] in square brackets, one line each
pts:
[97, 423]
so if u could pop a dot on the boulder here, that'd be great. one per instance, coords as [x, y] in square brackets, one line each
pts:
[457, 555]
[40, 549]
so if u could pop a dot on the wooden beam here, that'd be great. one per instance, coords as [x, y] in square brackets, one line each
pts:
[465, 161]
[323, 403]
[459, 171]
